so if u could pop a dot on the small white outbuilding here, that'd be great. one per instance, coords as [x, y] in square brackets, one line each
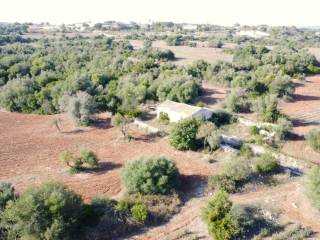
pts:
[178, 111]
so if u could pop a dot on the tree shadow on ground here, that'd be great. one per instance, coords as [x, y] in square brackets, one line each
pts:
[259, 222]
[177, 59]
[147, 138]
[103, 168]
[300, 97]
[303, 123]
[73, 131]
[294, 137]
[192, 186]
[102, 123]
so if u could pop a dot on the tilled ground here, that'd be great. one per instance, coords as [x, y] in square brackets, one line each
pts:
[30, 146]
[305, 112]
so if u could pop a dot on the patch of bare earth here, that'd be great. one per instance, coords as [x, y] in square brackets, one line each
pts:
[305, 112]
[287, 200]
[187, 222]
[212, 95]
[186, 55]
[30, 146]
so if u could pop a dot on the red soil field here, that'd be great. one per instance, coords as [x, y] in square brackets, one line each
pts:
[305, 109]
[30, 146]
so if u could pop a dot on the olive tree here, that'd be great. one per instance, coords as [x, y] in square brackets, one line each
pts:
[79, 106]
[150, 175]
[184, 134]
[50, 211]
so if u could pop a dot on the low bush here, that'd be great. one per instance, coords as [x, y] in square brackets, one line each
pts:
[184, 134]
[205, 131]
[215, 43]
[297, 232]
[139, 212]
[164, 118]
[254, 130]
[214, 140]
[267, 108]
[225, 220]
[246, 152]
[312, 185]
[266, 163]
[236, 171]
[50, 211]
[86, 160]
[237, 102]
[313, 139]
[238, 168]
[223, 183]
[283, 128]
[150, 175]
[89, 158]
[7, 193]
[217, 215]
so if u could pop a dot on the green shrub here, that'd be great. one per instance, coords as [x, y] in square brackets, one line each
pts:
[184, 134]
[236, 171]
[246, 152]
[283, 128]
[237, 101]
[313, 139]
[139, 212]
[238, 168]
[223, 183]
[214, 140]
[122, 206]
[266, 163]
[79, 106]
[205, 131]
[89, 158]
[267, 108]
[297, 232]
[67, 157]
[313, 69]
[7, 193]
[254, 130]
[215, 43]
[50, 211]
[164, 118]
[312, 185]
[217, 214]
[150, 175]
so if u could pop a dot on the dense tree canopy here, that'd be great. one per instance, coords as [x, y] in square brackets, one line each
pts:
[35, 77]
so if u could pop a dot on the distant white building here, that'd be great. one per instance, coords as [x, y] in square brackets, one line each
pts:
[190, 27]
[178, 111]
[253, 34]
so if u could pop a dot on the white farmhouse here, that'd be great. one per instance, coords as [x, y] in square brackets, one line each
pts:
[253, 34]
[177, 111]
